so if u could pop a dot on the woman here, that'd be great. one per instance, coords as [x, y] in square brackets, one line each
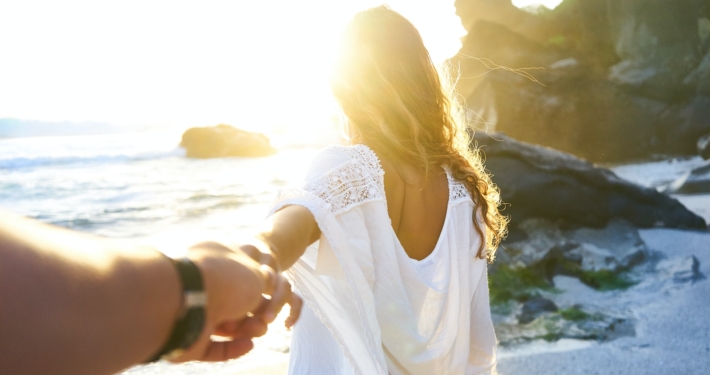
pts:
[405, 217]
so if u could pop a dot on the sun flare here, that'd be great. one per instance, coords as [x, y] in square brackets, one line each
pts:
[256, 65]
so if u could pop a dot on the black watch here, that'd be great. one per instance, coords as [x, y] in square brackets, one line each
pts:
[191, 321]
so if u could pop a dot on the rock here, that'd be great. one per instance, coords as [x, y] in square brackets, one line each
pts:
[593, 118]
[682, 270]
[599, 327]
[659, 44]
[535, 307]
[541, 236]
[538, 182]
[637, 86]
[704, 146]
[568, 111]
[490, 45]
[693, 182]
[581, 26]
[699, 79]
[616, 247]
[224, 140]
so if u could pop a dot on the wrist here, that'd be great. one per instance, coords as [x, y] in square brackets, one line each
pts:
[264, 252]
[190, 322]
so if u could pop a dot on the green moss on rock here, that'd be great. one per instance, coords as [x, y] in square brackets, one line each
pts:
[605, 280]
[506, 283]
[573, 314]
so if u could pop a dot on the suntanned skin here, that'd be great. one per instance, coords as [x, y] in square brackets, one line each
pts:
[416, 205]
[76, 304]
[417, 208]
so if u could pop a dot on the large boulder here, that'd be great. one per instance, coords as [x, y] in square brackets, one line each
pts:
[538, 182]
[613, 80]
[224, 140]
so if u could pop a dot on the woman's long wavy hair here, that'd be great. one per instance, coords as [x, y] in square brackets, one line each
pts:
[396, 101]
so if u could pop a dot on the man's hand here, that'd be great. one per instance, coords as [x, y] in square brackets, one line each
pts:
[236, 307]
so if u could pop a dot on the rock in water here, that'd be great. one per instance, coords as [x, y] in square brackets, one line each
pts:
[538, 182]
[224, 140]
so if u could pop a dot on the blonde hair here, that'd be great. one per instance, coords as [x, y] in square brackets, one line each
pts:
[400, 104]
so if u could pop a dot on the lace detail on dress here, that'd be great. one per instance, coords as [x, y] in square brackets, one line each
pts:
[358, 181]
[457, 190]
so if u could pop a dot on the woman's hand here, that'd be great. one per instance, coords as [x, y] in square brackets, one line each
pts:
[261, 253]
[236, 308]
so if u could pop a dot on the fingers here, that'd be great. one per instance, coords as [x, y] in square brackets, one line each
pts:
[270, 278]
[211, 245]
[261, 257]
[236, 283]
[222, 351]
[296, 304]
[251, 251]
[281, 295]
[246, 328]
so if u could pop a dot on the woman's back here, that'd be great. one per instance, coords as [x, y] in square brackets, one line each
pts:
[416, 205]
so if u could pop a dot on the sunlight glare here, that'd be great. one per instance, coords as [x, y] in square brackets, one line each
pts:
[550, 4]
[256, 65]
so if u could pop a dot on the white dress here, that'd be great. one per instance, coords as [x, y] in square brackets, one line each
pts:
[370, 308]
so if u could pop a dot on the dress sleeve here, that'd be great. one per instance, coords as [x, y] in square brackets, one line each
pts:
[327, 275]
[308, 194]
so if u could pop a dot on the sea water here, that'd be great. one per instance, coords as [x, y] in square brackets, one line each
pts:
[142, 187]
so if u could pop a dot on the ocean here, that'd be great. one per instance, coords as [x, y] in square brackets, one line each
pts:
[140, 186]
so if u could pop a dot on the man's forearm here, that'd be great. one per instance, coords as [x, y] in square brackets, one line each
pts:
[86, 305]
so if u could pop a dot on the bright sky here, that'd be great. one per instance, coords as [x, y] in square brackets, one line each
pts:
[259, 65]
[548, 3]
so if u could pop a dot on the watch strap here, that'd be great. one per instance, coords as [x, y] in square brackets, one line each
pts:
[190, 322]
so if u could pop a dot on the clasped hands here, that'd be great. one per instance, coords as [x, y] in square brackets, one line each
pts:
[236, 280]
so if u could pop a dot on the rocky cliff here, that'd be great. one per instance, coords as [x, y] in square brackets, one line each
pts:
[614, 79]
